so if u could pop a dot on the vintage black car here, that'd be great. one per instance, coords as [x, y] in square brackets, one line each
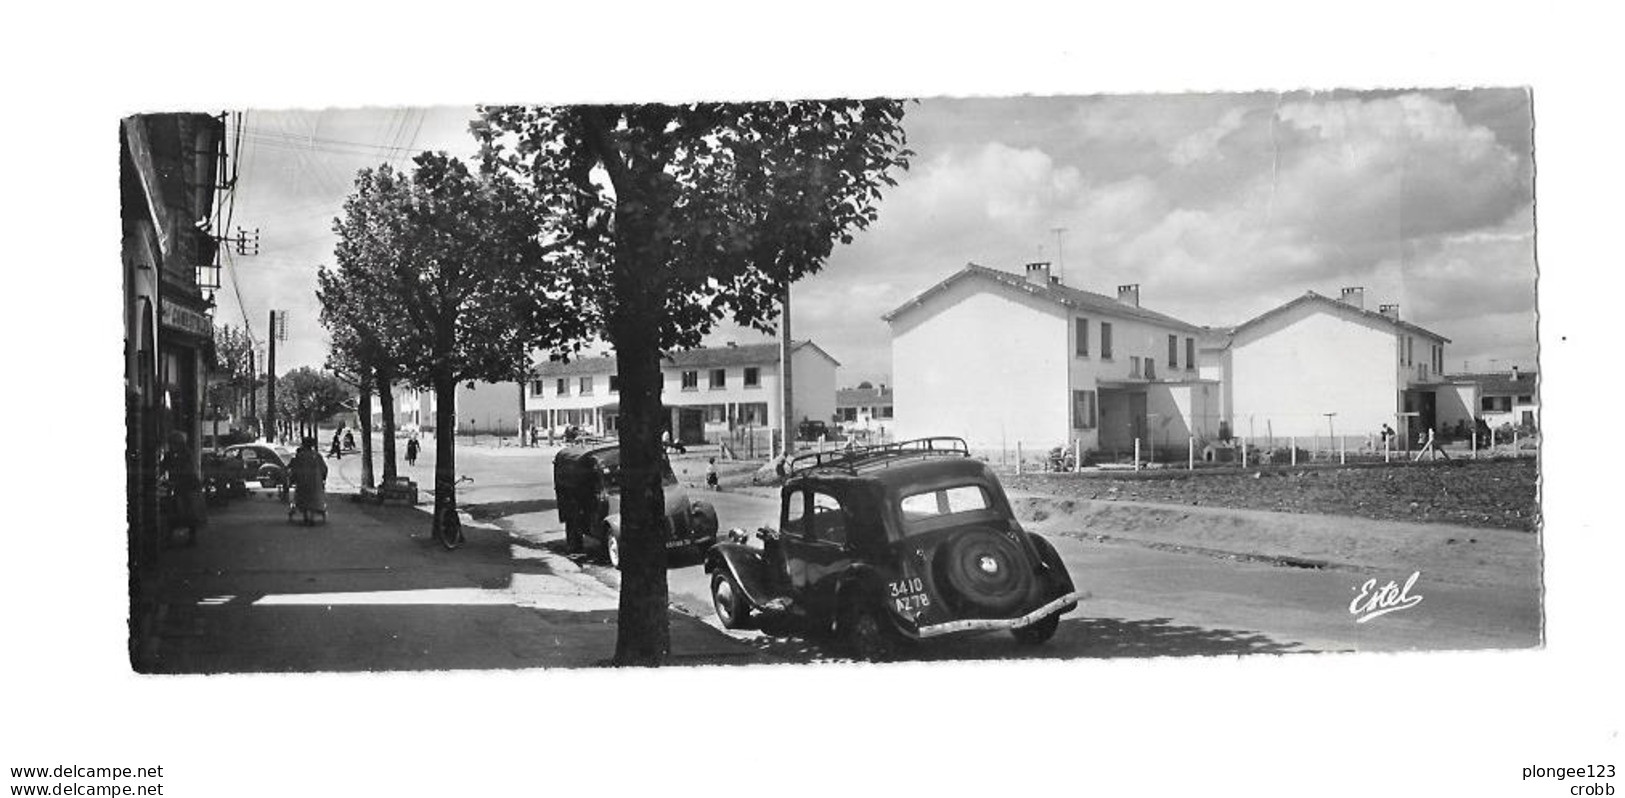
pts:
[261, 462]
[586, 481]
[891, 543]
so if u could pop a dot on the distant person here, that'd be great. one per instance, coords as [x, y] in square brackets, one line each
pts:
[332, 451]
[412, 452]
[1387, 435]
[711, 474]
[349, 440]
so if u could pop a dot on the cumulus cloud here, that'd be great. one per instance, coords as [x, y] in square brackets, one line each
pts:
[1220, 206]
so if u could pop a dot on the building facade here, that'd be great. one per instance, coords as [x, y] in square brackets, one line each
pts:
[1001, 359]
[866, 410]
[167, 180]
[711, 393]
[1317, 366]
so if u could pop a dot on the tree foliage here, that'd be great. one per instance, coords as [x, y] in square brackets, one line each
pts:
[667, 219]
[309, 396]
[443, 279]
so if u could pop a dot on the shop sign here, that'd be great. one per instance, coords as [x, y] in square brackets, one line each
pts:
[185, 319]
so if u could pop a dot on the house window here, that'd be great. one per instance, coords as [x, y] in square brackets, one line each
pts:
[1526, 399]
[1150, 369]
[1105, 340]
[1082, 337]
[691, 380]
[719, 379]
[586, 386]
[1410, 350]
[1173, 352]
[1190, 354]
[535, 387]
[717, 414]
[849, 414]
[614, 383]
[563, 388]
[1083, 409]
[753, 377]
[1134, 366]
[885, 411]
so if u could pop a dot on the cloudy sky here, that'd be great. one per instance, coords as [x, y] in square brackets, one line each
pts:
[1220, 206]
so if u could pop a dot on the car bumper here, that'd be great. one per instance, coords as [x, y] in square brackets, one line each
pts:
[1063, 604]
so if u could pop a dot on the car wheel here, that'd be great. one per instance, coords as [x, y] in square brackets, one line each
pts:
[612, 547]
[865, 634]
[732, 609]
[1037, 633]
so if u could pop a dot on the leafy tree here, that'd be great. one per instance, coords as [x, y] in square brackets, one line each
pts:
[671, 218]
[234, 368]
[309, 397]
[451, 283]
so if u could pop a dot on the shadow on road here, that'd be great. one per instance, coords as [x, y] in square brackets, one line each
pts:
[490, 511]
[1078, 638]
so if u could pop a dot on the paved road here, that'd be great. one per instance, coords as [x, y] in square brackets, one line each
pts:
[1145, 602]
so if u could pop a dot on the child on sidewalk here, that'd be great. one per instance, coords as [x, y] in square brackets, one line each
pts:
[711, 474]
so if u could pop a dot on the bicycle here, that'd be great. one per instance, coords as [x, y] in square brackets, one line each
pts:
[448, 526]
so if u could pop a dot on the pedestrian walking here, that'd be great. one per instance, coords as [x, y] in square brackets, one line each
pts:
[309, 481]
[711, 474]
[349, 441]
[332, 451]
[412, 452]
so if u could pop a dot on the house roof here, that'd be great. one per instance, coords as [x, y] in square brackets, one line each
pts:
[1063, 295]
[710, 357]
[1310, 297]
[1500, 382]
[863, 397]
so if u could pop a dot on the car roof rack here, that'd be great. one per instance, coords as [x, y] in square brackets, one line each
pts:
[850, 460]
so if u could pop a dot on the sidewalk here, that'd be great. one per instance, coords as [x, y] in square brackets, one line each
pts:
[371, 590]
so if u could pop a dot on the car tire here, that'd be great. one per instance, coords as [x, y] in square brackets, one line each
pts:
[865, 634]
[1038, 633]
[729, 601]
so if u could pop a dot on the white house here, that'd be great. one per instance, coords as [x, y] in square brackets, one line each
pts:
[1000, 358]
[1501, 398]
[866, 409]
[1317, 366]
[711, 392]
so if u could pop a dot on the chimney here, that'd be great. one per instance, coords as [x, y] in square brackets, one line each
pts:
[1355, 296]
[1129, 294]
[1515, 375]
[1038, 273]
[1390, 312]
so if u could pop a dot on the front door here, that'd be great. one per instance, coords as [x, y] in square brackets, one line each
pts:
[1136, 419]
[690, 426]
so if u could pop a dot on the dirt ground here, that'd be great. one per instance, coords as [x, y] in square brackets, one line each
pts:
[1500, 494]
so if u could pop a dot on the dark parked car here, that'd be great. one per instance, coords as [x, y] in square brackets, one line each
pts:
[262, 462]
[891, 543]
[586, 481]
[812, 430]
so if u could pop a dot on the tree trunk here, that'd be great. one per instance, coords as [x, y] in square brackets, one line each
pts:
[386, 407]
[643, 633]
[445, 438]
[364, 420]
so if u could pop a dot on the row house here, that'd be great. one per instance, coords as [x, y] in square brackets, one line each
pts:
[1316, 366]
[710, 392]
[866, 408]
[1000, 358]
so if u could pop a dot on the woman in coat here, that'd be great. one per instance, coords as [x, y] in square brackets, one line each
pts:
[309, 472]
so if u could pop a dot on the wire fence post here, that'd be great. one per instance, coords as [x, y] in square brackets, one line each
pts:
[1192, 455]
[1514, 443]
[1292, 441]
[1243, 452]
[1077, 455]
[1018, 458]
[1136, 454]
[1343, 450]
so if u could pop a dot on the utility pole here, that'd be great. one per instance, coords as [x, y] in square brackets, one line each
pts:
[278, 332]
[786, 404]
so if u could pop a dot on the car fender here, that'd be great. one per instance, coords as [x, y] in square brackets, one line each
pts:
[1060, 581]
[746, 566]
[702, 519]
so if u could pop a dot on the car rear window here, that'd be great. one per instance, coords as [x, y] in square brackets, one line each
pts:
[926, 505]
